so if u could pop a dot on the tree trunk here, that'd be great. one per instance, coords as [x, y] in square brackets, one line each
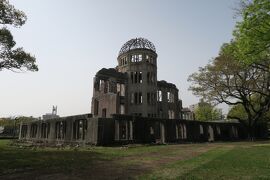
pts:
[251, 132]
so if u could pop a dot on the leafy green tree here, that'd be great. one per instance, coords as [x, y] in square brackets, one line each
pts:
[13, 58]
[10, 121]
[227, 80]
[206, 112]
[238, 112]
[252, 34]
[242, 69]
[6, 122]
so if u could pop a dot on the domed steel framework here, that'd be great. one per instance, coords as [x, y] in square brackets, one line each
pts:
[137, 43]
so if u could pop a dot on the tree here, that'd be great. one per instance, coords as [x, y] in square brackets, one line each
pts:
[252, 34]
[206, 112]
[226, 80]
[10, 121]
[12, 124]
[10, 58]
[238, 112]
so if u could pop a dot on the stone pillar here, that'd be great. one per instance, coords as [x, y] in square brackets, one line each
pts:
[131, 130]
[176, 131]
[185, 131]
[162, 133]
[68, 136]
[71, 130]
[116, 132]
[92, 131]
[38, 130]
[211, 134]
[28, 131]
[20, 132]
[51, 136]
[127, 130]
[236, 132]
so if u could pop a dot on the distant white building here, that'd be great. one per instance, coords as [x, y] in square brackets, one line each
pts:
[201, 103]
[52, 115]
[187, 114]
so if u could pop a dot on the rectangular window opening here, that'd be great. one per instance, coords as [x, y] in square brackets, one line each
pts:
[159, 95]
[123, 90]
[140, 57]
[135, 98]
[132, 77]
[118, 87]
[148, 77]
[140, 77]
[148, 98]
[122, 109]
[96, 104]
[104, 112]
[132, 98]
[136, 77]
[140, 98]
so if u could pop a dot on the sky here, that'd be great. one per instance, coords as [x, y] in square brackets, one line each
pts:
[72, 40]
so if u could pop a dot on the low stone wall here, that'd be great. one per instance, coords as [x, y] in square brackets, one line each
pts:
[71, 129]
[122, 129]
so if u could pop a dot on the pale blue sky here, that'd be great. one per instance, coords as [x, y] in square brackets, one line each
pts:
[72, 40]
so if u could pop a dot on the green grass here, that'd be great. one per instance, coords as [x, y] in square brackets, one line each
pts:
[251, 162]
[244, 160]
[16, 158]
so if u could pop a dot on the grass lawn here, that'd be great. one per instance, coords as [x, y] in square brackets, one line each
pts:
[241, 160]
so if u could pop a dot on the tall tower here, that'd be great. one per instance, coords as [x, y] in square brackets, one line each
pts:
[138, 58]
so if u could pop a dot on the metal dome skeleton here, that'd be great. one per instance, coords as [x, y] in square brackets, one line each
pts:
[137, 43]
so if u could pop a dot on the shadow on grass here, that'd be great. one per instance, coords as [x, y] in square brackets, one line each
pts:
[16, 159]
[26, 162]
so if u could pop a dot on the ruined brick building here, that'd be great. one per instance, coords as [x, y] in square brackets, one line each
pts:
[132, 87]
[130, 105]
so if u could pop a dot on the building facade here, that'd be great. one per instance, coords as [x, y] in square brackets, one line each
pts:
[123, 129]
[130, 105]
[132, 88]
